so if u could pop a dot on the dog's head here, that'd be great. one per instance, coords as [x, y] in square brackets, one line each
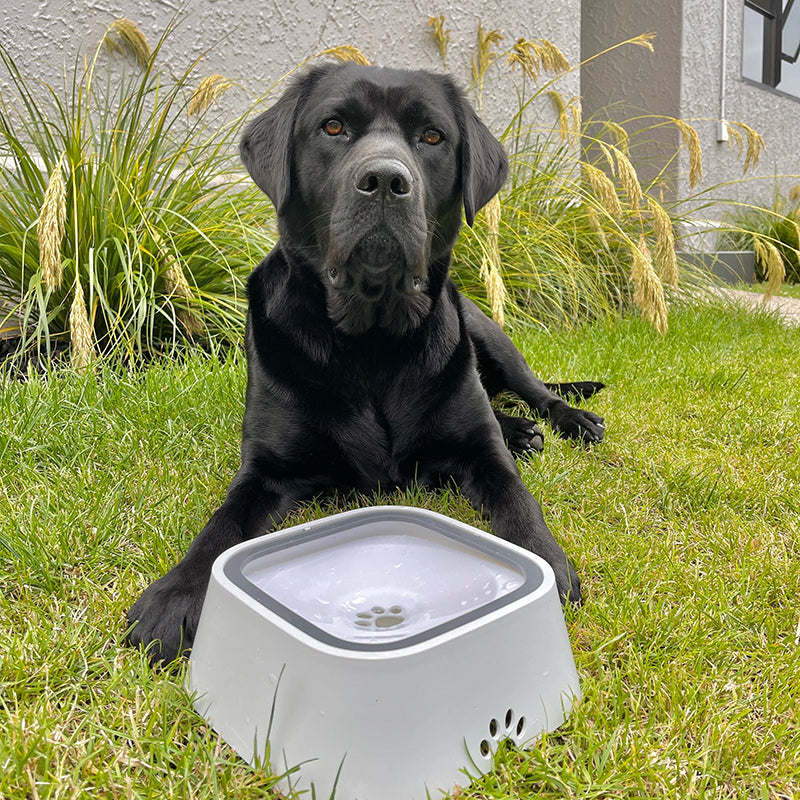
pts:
[368, 169]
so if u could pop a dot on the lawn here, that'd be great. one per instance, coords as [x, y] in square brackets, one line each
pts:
[787, 289]
[684, 525]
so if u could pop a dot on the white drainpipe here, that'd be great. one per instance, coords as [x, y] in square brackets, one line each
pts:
[722, 125]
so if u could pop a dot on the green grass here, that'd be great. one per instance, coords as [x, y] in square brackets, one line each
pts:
[787, 289]
[683, 524]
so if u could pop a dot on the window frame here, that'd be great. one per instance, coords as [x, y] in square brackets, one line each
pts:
[772, 12]
[785, 56]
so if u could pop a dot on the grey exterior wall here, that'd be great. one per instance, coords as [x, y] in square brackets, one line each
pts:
[775, 116]
[683, 78]
[631, 85]
[254, 43]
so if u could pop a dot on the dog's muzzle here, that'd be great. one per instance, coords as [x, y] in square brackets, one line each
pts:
[378, 228]
[379, 244]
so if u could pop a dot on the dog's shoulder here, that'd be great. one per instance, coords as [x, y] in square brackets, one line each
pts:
[286, 313]
[267, 282]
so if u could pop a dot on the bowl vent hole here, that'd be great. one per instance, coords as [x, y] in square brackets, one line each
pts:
[380, 617]
[513, 729]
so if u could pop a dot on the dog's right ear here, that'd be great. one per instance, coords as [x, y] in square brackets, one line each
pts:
[484, 163]
[266, 146]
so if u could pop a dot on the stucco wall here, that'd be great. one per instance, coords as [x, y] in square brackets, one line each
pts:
[775, 116]
[683, 79]
[631, 85]
[254, 43]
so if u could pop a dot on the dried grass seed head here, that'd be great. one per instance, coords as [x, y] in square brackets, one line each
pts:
[604, 190]
[621, 138]
[648, 291]
[490, 271]
[485, 53]
[576, 109]
[772, 264]
[610, 160]
[125, 36]
[553, 60]
[644, 40]
[755, 144]
[665, 258]
[748, 140]
[440, 34]
[347, 54]
[692, 143]
[562, 117]
[535, 57]
[50, 228]
[494, 212]
[522, 55]
[629, 179]
[80, 329]
[208, 91]
[175, 281]
[176, 285]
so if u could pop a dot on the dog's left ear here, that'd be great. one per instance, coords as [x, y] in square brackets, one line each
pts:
[484, 164]
[266, 146]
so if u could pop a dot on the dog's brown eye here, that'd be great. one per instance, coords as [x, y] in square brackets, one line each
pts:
[333, 127]
[432, 136]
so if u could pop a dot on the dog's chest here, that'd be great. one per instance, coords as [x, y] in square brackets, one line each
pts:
[381, 423]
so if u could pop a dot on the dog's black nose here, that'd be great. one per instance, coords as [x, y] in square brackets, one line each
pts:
[385, 177]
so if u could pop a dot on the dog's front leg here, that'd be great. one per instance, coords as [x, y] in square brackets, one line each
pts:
[493, 485]
[165, 617]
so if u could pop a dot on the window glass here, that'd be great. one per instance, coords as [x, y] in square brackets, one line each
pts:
[753, 46]
[757, 21]
[790, 46]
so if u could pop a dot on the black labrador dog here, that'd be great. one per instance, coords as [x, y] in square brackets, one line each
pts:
[366, 367]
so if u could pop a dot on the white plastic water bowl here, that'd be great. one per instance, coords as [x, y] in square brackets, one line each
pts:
[384, 651]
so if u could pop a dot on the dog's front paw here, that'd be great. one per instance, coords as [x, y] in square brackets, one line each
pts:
[165, 617]
[576, 423]
[522, 435]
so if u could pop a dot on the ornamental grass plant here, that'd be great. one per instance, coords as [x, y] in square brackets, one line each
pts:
[125, 225]
[575, 235]
[773, 233]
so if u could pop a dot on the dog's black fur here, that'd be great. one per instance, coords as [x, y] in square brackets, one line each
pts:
[366, 367]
